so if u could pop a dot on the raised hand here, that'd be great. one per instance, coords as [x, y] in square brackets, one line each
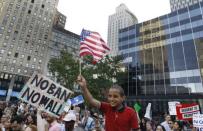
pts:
[81, 81]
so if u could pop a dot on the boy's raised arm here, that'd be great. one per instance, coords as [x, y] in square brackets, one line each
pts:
[88, 96]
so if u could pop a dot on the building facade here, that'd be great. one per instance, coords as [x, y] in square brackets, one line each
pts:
[164, 57]
[121, 19]
[60, 20]
[25, 32]
[63, 40]
[31, 32]
[179, 4]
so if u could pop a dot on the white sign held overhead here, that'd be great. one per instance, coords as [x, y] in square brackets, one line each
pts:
[198, 120]
[172, 107]
[148, 113]
[40, 90]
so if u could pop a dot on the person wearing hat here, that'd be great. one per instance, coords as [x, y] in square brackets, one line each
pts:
[69, 121]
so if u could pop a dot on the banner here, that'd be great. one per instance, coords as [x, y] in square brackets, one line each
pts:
[198, 120]
[41, 90]
[186, 111]
[172, 107]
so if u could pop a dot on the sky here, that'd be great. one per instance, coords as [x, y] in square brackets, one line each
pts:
[93, 14]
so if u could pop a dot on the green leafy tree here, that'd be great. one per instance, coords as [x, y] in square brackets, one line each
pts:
[65, 69]
[108, 71]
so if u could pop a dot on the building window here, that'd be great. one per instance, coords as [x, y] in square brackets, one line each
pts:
[2, 51]
[9, 53]
[12, 69]
[4, 44]
[42, 5]
[32, 1]
[4, 68]
[16, 55]
[14, 61]
[28, 58]
[29, 11]
[7, 60]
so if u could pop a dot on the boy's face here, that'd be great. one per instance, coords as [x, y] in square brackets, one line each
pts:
[114, 97]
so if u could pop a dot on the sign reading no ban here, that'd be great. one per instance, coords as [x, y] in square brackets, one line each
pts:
[41, 90]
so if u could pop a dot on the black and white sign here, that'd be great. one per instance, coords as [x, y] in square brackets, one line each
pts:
[41, 90]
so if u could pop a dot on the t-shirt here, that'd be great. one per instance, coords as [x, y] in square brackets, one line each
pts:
[119, 120]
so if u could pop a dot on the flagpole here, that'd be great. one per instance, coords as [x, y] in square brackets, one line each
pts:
[80, 61]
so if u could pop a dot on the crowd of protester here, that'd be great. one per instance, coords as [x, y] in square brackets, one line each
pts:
[169, 124]
[20, 116]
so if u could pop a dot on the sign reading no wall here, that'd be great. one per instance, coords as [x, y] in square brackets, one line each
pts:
[41, 90]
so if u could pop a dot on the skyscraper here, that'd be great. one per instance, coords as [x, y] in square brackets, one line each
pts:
[179, 4]
[165, 58]
[25, 31]
[121, 19]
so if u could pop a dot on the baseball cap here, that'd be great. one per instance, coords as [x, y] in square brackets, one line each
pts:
[69, 117]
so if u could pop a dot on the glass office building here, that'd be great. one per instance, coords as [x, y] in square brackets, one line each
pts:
[164, 57]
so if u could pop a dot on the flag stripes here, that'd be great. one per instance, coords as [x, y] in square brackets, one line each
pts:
[92, 44]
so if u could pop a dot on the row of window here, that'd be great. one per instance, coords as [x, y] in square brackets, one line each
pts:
[184, 35]
[5, 68]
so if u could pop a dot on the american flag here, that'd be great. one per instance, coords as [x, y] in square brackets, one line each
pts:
[91, 43]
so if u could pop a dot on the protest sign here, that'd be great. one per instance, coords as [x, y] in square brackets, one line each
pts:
[148, 113]
[198, 120]
[186, 111]
[41, 90]
[172, 107]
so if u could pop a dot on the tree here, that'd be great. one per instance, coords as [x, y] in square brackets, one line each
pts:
[64, 69]
[108, 70]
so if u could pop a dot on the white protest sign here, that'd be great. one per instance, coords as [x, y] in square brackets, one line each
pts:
[148, 113]
[172, 107]
[197, 120]
[41, 90]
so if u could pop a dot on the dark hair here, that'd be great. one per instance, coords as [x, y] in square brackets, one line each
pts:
[18, 119]
[34, 118]
[119, 88]
[180, 124]
[161, 127]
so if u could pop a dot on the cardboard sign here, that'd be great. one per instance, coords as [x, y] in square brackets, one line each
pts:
[172, 107]
[198, 120]
[41, 90]
[186, 111]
